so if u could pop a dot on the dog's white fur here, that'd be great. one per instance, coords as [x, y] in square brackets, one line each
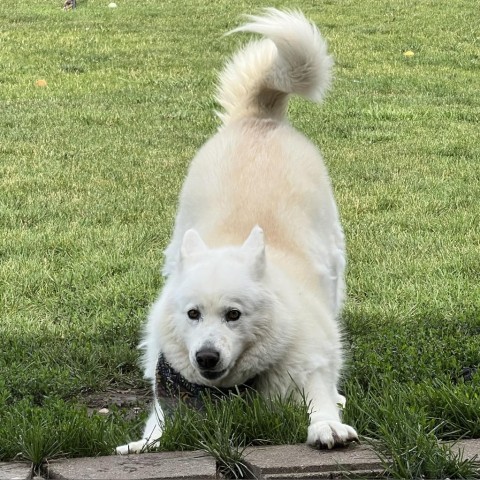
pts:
[257, 171]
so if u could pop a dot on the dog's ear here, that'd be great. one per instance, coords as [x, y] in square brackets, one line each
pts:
[254, 248]
[192, 244]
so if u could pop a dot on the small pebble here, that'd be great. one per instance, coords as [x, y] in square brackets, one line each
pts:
[104, 411]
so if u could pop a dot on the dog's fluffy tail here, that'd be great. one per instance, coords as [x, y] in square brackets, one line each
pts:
[292, 59]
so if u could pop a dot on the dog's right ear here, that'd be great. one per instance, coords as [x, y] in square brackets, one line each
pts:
[192, 244]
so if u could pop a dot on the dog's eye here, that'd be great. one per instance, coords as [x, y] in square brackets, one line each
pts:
[193, 314]
[233, 315]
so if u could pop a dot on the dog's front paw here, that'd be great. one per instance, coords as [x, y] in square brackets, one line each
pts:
[139, 446]
[330, 434]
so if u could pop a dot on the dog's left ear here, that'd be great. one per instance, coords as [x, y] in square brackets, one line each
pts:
[254, 247]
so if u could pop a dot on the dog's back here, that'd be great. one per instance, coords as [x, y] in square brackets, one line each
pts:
[258, 169]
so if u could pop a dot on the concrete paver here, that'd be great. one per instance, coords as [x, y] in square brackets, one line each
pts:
[148, 466]
[280, 462]
[15, 471]
[367, 474]
[302, 461]
[469, 448]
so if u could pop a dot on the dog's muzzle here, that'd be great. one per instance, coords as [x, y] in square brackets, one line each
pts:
[207, 360]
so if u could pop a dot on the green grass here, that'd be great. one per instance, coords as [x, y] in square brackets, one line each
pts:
[91, 166]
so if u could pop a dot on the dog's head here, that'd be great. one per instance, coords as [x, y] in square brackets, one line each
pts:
[221, 307]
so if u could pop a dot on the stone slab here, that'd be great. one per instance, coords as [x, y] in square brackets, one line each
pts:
[469, 448]
[286, 461]
[147, 466]
[15, 471]
[280, 462]
[358, 474]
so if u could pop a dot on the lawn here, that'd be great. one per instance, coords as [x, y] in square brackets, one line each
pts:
[91, 162]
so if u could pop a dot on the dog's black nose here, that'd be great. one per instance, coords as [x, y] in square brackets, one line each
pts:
[207, 359]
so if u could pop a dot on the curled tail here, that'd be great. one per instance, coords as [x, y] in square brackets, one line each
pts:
[292, 59]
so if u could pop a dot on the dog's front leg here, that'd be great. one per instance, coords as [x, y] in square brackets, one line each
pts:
[151, 434]
[326, 429]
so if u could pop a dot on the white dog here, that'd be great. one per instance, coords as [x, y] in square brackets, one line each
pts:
[255, 268]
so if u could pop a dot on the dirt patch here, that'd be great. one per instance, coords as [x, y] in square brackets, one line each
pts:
[133, 400]
[118, 397]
